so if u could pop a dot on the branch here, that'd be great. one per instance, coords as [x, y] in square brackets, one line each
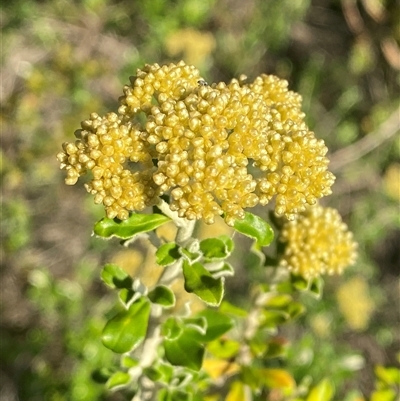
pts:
[367, 144]
[185, 226]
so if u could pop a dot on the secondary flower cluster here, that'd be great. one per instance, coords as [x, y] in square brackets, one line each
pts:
[214, 149]
[317, 242]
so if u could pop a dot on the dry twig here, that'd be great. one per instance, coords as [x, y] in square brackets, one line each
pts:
[367, 144]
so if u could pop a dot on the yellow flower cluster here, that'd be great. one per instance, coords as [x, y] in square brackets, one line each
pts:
[106, 147]
[317, 242]
[215, 149]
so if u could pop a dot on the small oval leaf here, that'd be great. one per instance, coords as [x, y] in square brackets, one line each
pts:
[101, 375]
[168, 254]
[163, 296]
[118, 379]
[317, 287]
[273, 318]
[115, 277]
[196, 325]
[228, 242]
[199, 281]
[224, 270]
[323, 391]
[214, 249]
[184, 351]
[127, 329]
[128, 362]
[299, 282]
[255, 227]
[191, 256]
[137, 223]
[296, 309]
[126, 296]
[217, 324]
[223, 348]
[230, 309]
[388, 375]
[278, 301]
[172, 328]
[276, 347]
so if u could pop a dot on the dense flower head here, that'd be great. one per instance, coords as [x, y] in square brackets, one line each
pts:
[214, 149]
[317, 242]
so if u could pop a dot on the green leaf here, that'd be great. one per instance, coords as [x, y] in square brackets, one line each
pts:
[198, 280]
[214, 249]
[258, 345]
[316, 287]
[115, 277]
[273, 318]
[152, 373]
[190, 256]
[313, 286]
[285, 303]
[128, 362]
[230, 245]
[127, 329]
[168, 254]
[251, 376]
[101, 375]
[255, 258]
[385, 394]
[126, 296]
[180, 395]
[163, 296]
[118, 379]
[174, 395]
[255, 227]
[279, 301]
[182, 377]
[388, 375]
[224, 348]
[225, 269]
[163, 395]
[285, 287]
[295, 309]
[217, 324]
[323, 391]
[227, 307]
[354, 395]
[196, 325]
[172, 328]
[276, 347]
[125, 229]
[167, 372]
[300, 283]
[184, 350]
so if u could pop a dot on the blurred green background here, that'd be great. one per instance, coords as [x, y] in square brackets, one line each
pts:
[62, 60]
